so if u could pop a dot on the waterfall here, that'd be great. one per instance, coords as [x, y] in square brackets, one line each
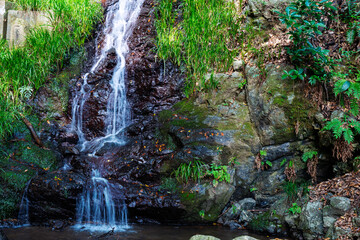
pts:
[23, 215]
[120, 20]
[97, 210]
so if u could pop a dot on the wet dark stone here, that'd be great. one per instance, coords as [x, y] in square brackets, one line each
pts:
[53, 196]
[2, 235]
[152, 86]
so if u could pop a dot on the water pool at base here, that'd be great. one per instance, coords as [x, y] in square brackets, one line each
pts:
[135, 232]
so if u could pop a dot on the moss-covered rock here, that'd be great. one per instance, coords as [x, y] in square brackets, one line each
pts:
[277, 106]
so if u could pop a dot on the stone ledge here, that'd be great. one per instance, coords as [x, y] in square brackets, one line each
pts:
[15, 25]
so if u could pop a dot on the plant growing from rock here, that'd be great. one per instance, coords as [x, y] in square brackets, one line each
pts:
[219, 173]
[306, 21]
[311, 158]
[295, 209]
[193, 171]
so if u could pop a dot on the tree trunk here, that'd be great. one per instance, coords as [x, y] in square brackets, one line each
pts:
[32, 131]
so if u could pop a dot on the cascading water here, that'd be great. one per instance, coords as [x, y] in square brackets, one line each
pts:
[96, 207]
[23, 215]
[97, 210]
[118, 27]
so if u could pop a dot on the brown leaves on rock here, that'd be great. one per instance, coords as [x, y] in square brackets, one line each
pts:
[346, 222]
[347, 185]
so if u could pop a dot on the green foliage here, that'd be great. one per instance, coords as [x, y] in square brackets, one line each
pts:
[260, 222]
[305, 19]
[200, 41]
[295, 209]
[23, 70]
[309, 155]
[345, 128]
[196, 170]
[350, 88]
[253, 189]
[193, 171]
[242, 84]
[352, 18]
[263, 153]
[202, 213]
[294, 189]
[219, 173]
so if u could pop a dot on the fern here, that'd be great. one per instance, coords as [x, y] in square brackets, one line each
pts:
[355, 125]
[346, 128]
[335, 126]
[350, 35]
[354, 107]
[309, 155]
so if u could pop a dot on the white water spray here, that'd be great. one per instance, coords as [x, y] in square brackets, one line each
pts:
[120, 20]
[96, 208]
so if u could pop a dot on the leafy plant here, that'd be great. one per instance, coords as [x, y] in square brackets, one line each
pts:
[242, 84]
[253, 189]
[295, 209]
[23, 70]
[305, 19]
[309, 155]
[202, 213]
[193, 171]
[219, 173]
[345, 128]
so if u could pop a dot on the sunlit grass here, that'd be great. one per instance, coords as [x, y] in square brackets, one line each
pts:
[199, 34]
[25, 69]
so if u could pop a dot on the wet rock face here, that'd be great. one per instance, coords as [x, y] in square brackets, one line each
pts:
[53, 196]
[135, 167]
[152, 85]
[97, 94]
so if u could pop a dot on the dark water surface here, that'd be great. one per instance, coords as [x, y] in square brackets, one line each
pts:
[136, 232]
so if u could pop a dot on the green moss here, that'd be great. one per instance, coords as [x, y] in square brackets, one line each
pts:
[184, 114]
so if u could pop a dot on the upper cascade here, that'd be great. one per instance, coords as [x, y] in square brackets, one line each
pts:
[120, 19]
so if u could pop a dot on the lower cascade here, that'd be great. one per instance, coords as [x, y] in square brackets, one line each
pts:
[97, 210]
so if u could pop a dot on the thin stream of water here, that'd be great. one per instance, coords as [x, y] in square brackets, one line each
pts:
[97, 210]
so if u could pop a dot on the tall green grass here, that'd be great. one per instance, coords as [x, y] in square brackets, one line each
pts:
[23, 70]
[200, 34]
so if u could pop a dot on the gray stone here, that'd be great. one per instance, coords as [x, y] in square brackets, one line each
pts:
[244, 238]
[247, 204]
[329, 221]
[203, 237]
[245, 216]
[311, 218]
[341, 204]
[20, 22]
[209, 199]
[4, 8]
[234, 211]
[265, 8]
[271, 109]
[237, 65]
